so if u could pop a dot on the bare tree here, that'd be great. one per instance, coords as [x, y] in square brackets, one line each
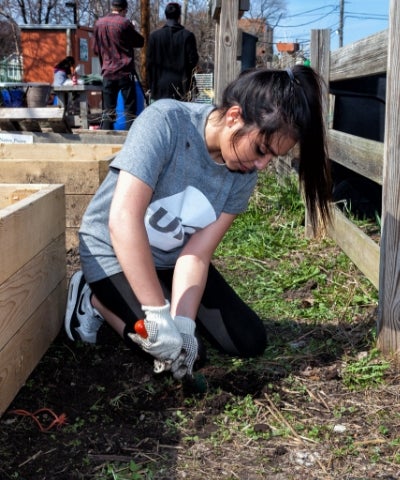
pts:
[269, 10]
[9, 30]
[202, 25]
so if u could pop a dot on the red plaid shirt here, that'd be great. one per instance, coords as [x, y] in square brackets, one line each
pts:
[114, 40]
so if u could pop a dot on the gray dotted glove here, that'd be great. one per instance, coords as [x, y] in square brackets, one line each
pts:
[164, 342]
[184, 366]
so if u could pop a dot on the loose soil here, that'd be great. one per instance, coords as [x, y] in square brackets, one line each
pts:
[125, 422]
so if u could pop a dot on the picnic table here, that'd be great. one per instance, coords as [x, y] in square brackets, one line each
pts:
[35, 117]
[65, 93]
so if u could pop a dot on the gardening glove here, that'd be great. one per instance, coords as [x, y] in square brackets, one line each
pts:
[182, 367]
[163, 342]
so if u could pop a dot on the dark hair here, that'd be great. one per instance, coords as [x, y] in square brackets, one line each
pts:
[173, 11]
[66, 64]
[119, 5]
[288, 102]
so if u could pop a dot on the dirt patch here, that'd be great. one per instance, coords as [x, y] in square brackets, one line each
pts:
[287, 418]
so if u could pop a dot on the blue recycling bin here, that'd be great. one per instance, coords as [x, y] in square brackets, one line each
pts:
[120, 122]
[12, 97]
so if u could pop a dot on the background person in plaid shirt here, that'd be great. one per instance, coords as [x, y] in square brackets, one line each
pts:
[115, 39]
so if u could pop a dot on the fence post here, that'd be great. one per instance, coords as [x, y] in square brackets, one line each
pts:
[388, 324]
[319, 57]
[226, 33]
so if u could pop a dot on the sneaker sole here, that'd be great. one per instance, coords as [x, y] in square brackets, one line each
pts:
[73, 291]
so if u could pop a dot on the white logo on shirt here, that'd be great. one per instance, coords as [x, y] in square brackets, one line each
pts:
[169, 219]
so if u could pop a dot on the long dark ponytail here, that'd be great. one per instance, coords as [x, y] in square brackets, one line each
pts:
[289, 102]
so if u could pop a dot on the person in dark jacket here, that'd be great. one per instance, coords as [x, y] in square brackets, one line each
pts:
[115, 38]
[171, 58]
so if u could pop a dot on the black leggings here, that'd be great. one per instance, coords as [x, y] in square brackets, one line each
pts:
[223, 317]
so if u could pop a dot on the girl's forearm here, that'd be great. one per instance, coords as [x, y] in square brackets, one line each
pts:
[190, 278]
[134, 255]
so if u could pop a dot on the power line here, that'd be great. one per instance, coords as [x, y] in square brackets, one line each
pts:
[378, 16]
[301, 14]
[358, 17]
[310, 22]
[339, 8]
[334, 9]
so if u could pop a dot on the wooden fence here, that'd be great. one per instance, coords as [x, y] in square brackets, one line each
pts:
[375, 160]
[361, 59]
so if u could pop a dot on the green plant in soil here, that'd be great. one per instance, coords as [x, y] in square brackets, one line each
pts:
[366, 372]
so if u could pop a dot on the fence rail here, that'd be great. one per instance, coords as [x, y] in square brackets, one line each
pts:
[378, 161]
[363, 156]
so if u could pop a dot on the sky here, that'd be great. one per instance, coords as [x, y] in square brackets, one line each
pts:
[361, 19]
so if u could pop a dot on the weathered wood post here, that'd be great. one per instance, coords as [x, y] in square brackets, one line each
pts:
[319, 57]
[389, 274]
[225, 12]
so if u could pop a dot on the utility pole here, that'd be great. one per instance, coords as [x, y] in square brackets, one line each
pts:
[145, 24]
[341, 23]
[184, 12]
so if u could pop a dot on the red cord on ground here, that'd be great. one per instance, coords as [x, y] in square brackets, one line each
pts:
[58, 421]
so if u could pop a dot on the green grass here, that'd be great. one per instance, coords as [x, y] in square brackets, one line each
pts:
[268, 246]
[313, 299]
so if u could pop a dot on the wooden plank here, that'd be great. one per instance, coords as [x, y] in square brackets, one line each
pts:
[244, 6]
[359, 59]
[319, 57]
[37, 113]
[34, 119]
[80, 176]
[360, 248]
[80, 136]
[389, 287]
[227, 43]
[75, 207]
[58, 151]
[29, 225]
[358, 154]
[9, 194]
[80, 87]
[22, 353]
[24, 291]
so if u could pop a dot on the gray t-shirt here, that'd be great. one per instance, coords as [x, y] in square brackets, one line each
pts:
[166, 149]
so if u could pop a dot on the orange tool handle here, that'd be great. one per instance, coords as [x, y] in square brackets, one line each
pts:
[140, 328]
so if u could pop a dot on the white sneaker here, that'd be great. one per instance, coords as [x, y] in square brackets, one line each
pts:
[82, 321]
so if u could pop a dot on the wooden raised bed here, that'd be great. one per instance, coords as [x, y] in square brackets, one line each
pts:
[80, 167]
[32, 279]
